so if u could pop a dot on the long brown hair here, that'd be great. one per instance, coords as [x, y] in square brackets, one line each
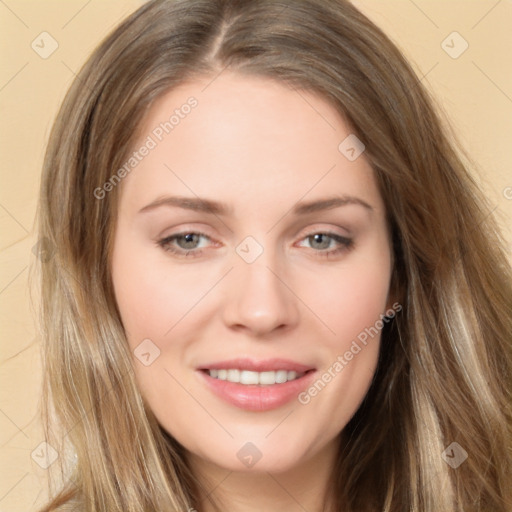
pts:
[445, 368]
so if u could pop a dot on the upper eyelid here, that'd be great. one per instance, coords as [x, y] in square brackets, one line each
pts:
[302, 232]
[174, 236]
[327, 231]
[170, 233]
[343, 226]
[337, 238]
[330, 234]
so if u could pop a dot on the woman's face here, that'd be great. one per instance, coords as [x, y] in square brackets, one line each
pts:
[251, 244]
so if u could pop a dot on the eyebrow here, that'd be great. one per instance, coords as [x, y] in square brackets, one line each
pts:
[328, 204]
[188, 203]
[215, 208]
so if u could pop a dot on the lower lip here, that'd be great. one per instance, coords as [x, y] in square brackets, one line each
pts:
[254, 397]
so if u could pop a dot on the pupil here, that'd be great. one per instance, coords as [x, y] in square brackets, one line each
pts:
[321, 240]
[189, 240]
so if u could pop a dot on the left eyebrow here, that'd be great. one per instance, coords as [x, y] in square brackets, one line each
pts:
[329, 203]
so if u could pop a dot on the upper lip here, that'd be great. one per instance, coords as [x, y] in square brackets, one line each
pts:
[261, 365]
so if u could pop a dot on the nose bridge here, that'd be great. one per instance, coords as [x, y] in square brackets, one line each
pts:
[259, 281]
[259, 301]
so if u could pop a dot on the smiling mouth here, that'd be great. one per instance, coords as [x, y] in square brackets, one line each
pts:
[251, 378]
[254, 385]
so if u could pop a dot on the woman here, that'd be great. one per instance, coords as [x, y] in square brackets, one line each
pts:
[275, 286]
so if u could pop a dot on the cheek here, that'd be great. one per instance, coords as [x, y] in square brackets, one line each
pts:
[351, 306]
[153, 300]
[153, 296]
[351, 300]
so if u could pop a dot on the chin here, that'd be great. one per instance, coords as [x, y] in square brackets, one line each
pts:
[255, 457]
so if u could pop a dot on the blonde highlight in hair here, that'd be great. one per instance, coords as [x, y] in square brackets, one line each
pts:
[445, 367]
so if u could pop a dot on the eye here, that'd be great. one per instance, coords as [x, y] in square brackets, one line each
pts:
[327, 244]
[320, 241]
[185, 244]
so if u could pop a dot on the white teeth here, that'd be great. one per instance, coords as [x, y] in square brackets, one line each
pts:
[247, 377]
[267, 378]
[281, 376]
[255, 378]
[292, 375]
[233, 376]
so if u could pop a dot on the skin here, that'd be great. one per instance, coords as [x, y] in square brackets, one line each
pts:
[260, 148]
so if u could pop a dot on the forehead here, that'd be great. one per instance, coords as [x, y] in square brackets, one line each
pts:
[248, 141]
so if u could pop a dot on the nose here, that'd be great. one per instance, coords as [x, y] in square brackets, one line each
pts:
[259, 301]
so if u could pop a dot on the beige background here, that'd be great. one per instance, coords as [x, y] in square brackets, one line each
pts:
[475, 91]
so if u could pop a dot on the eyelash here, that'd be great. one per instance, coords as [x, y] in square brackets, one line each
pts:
[344, 244]
[165, 243]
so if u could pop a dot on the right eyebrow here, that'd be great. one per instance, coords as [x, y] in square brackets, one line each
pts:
[189, 203]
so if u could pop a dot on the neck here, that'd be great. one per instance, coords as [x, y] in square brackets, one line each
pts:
[303, 487]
